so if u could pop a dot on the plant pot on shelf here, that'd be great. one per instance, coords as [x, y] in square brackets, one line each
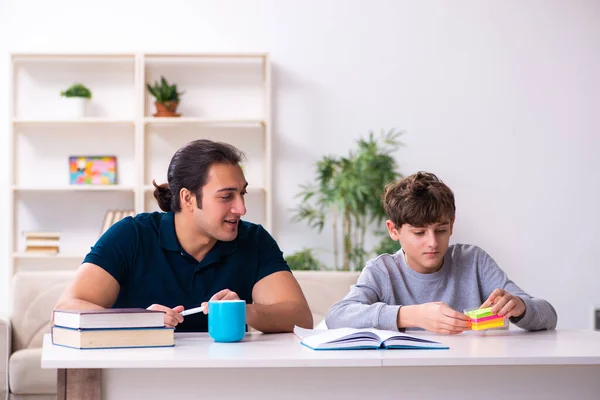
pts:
[74, 107]
[166, 109]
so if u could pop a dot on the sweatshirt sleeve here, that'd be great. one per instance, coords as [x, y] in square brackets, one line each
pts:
[539, 314]
[363, 307]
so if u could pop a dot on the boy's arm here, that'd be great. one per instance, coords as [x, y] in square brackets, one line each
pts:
[539, 314]
[363, 307]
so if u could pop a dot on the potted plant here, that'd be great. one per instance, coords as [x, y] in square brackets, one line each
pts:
[347, 194]
[166, 96]
[77, 97]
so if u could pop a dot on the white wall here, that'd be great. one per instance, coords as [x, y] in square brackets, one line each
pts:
[500, 99]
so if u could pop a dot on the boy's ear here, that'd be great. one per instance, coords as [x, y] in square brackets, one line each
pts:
[391, 227]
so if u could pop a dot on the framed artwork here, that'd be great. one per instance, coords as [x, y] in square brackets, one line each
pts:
[92, 170]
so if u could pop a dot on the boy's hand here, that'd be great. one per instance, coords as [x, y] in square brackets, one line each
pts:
[504, 304]
[440, 318]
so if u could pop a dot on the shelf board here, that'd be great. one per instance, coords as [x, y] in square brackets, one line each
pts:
[169, 56]
[252, 189]
[203, 121]
[97, 121]
[62, 256]
[85, 57]
[73, 188]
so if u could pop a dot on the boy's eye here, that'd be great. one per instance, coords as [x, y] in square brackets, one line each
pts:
[441, 230]
[226, 197]
[244, 193]
[420, 233]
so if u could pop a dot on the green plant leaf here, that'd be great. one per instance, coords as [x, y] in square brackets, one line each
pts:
[350, 188]
[163, 92]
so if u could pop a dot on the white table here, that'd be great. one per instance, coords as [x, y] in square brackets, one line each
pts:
[517, 364]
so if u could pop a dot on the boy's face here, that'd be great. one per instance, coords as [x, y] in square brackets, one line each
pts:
[424, 247]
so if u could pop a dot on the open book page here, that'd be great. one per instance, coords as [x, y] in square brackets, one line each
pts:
[337, 338]
[392, 339]
[368, 338]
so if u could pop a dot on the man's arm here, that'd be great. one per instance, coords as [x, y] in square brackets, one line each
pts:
[93, 288]
[278, 304]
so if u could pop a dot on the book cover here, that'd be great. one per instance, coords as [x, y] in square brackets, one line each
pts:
[361, 339]
[109, 318]
[83, 339]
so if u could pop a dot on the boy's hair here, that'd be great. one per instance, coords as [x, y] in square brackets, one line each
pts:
[419, 200]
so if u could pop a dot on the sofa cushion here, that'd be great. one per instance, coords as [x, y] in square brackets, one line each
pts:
[34, 295]
[26, 375]
[323, 289]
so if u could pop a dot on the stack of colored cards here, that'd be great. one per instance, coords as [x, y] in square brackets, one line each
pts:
[482, 318]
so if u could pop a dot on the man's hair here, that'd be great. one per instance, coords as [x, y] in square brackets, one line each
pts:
[189, 169]
[419, 200]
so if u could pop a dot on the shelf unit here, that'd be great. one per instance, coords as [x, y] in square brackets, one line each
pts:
[227, 98]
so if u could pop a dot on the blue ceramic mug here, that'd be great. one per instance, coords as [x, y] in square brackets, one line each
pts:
[227, 320]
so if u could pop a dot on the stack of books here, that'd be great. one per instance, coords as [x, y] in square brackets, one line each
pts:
[42, 242]
[111, 329]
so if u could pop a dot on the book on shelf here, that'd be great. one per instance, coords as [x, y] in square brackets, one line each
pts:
[42, 242]
[42, 249]
[114, 338]
[113, 216]
[109, 318]
[358, 339]
[41, 235]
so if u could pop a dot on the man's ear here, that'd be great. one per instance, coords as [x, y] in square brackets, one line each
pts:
[186, 199]
[391, 227]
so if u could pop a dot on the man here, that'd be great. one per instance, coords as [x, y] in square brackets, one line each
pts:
[199, 249]
[428, 284]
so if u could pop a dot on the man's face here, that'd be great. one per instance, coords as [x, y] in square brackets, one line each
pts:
[222, 202]
[424, 247]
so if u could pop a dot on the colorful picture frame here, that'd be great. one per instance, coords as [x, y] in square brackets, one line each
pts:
[93, 170]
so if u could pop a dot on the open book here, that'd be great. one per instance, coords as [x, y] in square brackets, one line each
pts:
[356, 339]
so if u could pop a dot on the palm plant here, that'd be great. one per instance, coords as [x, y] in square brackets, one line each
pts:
[348, 193]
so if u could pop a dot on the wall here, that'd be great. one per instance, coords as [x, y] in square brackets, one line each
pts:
[500, 99]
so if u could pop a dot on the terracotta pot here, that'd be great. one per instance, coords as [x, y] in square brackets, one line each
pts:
[166, 109]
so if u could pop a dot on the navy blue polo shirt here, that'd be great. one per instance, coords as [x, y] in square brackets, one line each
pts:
[143, 254]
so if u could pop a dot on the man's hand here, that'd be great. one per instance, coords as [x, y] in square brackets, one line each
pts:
[440, 318]
[504, 304]
[224, 294]
[172, 316]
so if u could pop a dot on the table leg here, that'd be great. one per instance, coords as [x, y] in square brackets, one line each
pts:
[76, 384]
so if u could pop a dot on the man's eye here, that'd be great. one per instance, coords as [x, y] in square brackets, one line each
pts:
[226, 197]
[244, 193]
[441, 230]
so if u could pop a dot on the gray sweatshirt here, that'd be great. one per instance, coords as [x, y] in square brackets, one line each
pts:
[467, 277]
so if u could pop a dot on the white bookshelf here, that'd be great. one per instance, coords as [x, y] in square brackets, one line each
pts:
[227, 98]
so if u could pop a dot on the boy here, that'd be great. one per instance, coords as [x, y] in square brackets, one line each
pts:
[428, 283]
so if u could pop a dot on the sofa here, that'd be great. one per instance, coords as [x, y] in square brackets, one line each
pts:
[34, 294]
